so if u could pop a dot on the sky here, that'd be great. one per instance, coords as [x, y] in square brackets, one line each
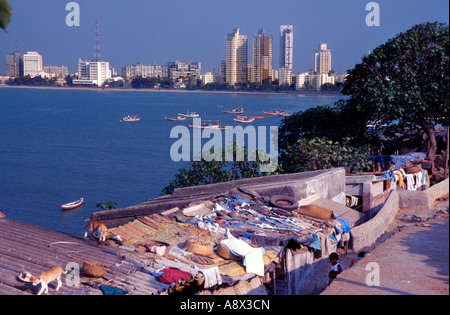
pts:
[160, 31]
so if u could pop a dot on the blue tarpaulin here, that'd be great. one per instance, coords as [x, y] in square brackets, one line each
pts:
[399, 161]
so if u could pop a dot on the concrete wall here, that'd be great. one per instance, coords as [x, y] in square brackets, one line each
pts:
[368, 233]
[327, 184]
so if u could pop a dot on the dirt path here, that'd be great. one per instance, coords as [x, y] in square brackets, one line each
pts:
[413, 260]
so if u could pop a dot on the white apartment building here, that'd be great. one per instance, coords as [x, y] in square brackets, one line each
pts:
[210, 77]
[32, 64]
[93, 72]
[308, 81]
[285, 76]
[236, 58]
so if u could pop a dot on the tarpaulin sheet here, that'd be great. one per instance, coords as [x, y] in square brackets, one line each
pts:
[399, 161]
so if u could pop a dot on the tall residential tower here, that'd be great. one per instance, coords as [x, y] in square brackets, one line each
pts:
[286, 53]
[322, 59]
[262, 58]
[236, 58]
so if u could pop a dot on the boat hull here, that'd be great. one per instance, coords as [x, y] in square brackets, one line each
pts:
[180, 118]
[72, 205]
[233, 111]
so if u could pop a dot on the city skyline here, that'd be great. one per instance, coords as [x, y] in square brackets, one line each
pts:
[157, 33]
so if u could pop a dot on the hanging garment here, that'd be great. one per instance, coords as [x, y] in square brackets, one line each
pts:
[212, 276]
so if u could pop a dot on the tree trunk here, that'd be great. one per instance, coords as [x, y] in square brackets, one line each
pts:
[431, 154]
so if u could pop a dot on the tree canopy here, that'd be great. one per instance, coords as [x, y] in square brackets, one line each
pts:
[405, 82]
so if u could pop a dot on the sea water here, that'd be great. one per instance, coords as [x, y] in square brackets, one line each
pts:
[58, 145]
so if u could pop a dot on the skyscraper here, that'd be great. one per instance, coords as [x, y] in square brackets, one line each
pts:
[286, 53]
[236, 58]
[322, 59]
[262, 58]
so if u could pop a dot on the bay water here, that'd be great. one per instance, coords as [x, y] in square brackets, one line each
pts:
[58, 145]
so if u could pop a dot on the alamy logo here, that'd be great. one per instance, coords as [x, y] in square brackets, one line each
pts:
[73, 17]
[373, 18]
[373, 277]
[191, 147]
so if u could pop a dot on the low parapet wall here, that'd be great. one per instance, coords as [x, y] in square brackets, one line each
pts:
[368, 233]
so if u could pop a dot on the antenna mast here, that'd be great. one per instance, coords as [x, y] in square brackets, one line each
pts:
[98, 54]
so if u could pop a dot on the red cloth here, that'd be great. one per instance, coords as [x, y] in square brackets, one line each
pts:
[172, 275]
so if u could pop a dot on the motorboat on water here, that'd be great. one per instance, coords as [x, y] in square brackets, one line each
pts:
[236, 110]
[277, 112]
[178, 118]
[189, 115]
[244, 119]
[73, 204]
[131, 118]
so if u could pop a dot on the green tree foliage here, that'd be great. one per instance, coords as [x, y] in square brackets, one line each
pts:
[35, 81]
[5, 14]
[322, 153]
[405, 82]
[108, 205]
[210, 171]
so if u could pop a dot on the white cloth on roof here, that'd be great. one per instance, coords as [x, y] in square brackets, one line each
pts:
[253, 257]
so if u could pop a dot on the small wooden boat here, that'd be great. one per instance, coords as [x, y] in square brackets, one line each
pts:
[276, 112]
[244, 119]
[258, 117]
[189, 115]
[178, 118]
[130, 118]
[236, 110]
[72, 205]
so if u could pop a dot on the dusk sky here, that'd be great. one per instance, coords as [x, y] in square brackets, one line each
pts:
[167, 30]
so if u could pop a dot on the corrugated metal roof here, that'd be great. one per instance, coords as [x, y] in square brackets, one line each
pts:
[25, 247]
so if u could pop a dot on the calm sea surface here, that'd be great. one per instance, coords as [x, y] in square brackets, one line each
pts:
[59, 145]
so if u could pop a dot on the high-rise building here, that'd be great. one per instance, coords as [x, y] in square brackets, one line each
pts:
[32, 64]
[286, 54]
[92, 72]
[322, 59]
[286, 46]
[262, 58]
[236, 58]
[14, 65]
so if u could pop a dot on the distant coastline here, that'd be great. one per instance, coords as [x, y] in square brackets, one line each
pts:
[161, 90]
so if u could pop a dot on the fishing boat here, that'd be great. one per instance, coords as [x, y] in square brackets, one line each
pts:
[276, 112]
[72, 205]
[189, 115]
[283, 114]
[178, 118]
[236, 110]
[205, 124]
[258, 117]
[244, 119]
[130, 118]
